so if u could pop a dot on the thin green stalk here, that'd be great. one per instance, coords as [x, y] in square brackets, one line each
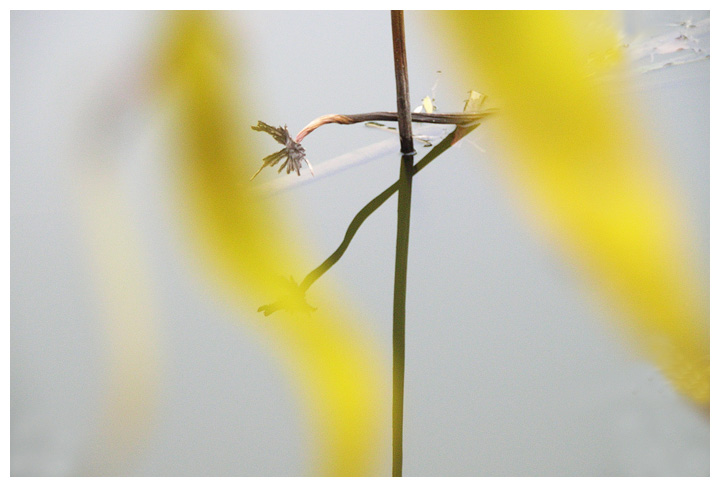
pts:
[399, 301]
[376, 203]
[403, 236]
[368, 210]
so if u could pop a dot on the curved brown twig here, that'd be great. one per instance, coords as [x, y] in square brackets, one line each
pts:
[464, 118]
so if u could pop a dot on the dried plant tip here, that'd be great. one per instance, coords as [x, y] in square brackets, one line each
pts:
[293, 301]
[292, 155]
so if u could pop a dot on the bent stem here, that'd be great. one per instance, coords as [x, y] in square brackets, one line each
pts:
[376, 203]
[365, 212]
[293, 154]
[462, 118]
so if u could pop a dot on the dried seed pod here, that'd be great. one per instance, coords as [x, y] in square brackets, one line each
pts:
[292, 155]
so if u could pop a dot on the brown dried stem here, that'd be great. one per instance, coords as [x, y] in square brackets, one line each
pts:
[465, 118]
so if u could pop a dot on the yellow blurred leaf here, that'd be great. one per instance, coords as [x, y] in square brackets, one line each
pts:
[242, 241]
[132, 358]
[580, 161]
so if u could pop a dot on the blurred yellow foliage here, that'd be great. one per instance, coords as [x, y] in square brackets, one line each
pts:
[133, 358]
[243, 242]
[580, 161]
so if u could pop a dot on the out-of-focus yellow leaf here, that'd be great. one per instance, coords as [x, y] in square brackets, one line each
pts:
[241, 239]
[132, 359]
[580, 161]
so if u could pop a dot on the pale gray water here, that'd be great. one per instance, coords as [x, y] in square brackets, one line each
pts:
[511, 368]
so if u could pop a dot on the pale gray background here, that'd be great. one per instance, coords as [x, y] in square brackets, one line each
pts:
[511, 367]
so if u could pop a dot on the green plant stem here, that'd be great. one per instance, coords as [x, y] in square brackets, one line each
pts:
[399, 302]
[403, 236]
[370, 208]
